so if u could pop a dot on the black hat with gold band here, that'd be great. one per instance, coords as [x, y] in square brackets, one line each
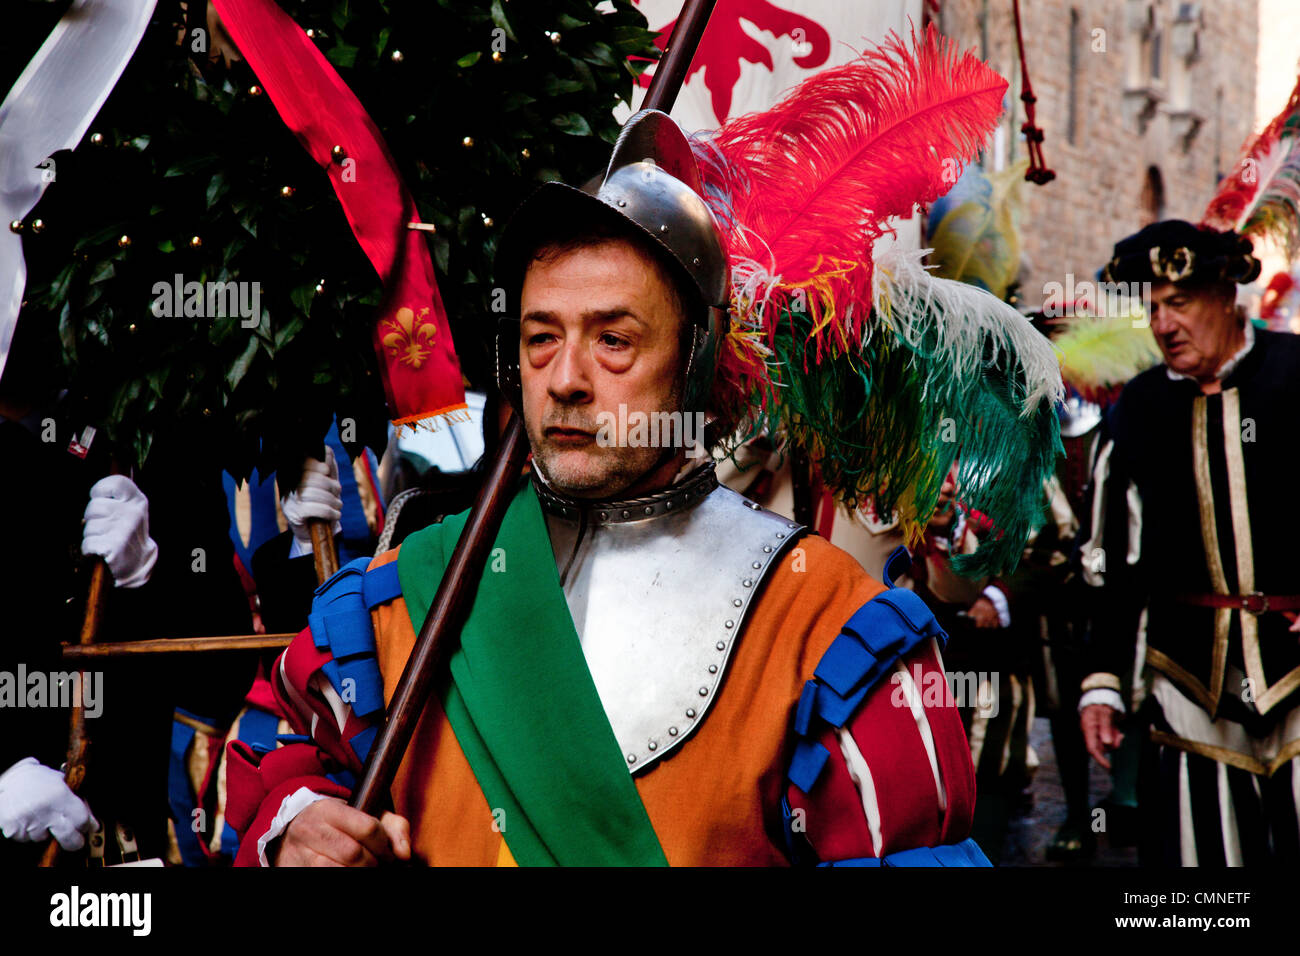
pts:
[1177, 251]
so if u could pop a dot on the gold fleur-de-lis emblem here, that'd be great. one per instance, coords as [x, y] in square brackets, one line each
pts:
[409, 337]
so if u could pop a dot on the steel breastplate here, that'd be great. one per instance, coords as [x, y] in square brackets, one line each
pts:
[659, 589]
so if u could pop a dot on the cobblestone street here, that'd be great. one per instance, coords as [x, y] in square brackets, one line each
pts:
[1029, 835]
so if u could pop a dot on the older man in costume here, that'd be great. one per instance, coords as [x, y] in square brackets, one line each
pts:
[1195, 565]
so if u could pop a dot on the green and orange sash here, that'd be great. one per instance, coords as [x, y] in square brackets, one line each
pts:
[523, 706]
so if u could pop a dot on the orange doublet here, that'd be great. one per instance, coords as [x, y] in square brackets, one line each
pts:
[716, 801]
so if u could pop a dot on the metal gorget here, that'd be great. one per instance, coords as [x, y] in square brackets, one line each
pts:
[660, 588]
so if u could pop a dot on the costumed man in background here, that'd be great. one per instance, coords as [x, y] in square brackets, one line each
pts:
[37, 480]
[573, 738]
[164, 540]
[1103, 345]
[1195, 565]
[975, 232]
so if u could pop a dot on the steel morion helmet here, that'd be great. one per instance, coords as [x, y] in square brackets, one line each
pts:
[652, 186]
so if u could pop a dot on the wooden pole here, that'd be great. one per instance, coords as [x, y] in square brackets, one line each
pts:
[101, 582]
[322, 549]
[446, 616]
[327, 562]
[178, 645]
[670, 74]
[441, 629]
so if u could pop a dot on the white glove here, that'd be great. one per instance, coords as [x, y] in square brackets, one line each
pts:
[117, 527]
[319, 495]
[35, 802]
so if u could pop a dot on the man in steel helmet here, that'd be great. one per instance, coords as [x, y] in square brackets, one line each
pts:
[655, 669]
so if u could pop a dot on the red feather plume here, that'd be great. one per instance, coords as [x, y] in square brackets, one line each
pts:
[805, 188]
[1264, 161]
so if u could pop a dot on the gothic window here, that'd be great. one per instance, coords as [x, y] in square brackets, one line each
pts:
[1153, 197]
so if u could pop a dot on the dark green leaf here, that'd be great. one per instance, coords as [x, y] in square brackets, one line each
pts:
[216, 188]
[571, 123]
[600, 54]
[342, 55]
[553, 86]
[302, 296]
[499, 18]
[239, 368]
[103, 272]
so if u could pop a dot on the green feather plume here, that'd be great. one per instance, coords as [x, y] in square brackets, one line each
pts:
[1100, 353]
[949, 374]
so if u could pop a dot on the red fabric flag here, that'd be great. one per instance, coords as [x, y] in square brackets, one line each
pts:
[422, 377]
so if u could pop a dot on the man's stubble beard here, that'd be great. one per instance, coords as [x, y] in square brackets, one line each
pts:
[592, 471]
[600, 472]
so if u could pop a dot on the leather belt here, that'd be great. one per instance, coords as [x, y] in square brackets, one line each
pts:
[1255, 602]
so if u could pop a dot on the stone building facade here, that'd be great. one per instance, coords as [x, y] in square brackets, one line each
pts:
[1144, 105]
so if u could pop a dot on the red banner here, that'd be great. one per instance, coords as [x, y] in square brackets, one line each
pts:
[412, 338]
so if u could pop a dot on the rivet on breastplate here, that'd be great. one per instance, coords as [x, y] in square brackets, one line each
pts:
[704, 692]
[690, 711]
[748, 583]
[713, 668]
[721, 645]
[780, 534]
[668, 504]
[631, 758]
[604, 516]
[652, 745]
[756, 565]
[729, 624]
[767, 549]
[672, 731]
[649, 510]
[736, 603]
[627, 514]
